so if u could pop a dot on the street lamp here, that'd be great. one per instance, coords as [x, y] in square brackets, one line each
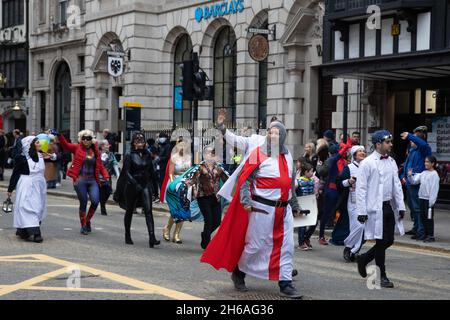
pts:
[17, 110]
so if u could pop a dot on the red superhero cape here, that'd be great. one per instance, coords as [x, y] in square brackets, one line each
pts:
[162, 192]
[226, 247]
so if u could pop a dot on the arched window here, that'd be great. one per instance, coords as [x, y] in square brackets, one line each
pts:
[181, 109]
[225, 73]
[62, 98]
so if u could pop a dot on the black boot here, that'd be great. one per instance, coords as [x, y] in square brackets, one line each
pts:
[288, 290]
[238, 280]
[385, 282]
[103, 210]
[346, 254]
[153, 242]
[361, 261]
[128, 238]
[205, 240]
[38, 238]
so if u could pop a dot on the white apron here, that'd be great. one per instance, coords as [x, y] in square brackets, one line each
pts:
[30, 206]
[269, 242]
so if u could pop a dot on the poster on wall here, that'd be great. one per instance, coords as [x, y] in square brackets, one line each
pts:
[439, 140]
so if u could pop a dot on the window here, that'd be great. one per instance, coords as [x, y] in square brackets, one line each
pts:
[12, 13]
[42, 100]
[181, 109]
[82, 108]
[62, 12]
[42, 9]
[225, 73]
[81, 64]
[41, 69]
[82, 5]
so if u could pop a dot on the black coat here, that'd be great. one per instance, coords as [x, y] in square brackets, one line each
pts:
[137, 173]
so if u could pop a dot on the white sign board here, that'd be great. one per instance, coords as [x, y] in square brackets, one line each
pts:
[307, 203]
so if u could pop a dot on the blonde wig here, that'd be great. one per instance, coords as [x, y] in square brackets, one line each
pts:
[86, 133]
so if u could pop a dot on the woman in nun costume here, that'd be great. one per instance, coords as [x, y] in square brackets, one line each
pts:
[31, 189]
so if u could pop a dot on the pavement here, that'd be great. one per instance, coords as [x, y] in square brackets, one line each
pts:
[441, 221]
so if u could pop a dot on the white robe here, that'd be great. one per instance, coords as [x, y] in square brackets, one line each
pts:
[30, 206]
[369, 196]
[355, 237]
[259, 241]
[269, 241]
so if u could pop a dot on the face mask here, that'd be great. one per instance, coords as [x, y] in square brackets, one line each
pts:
[162, 140]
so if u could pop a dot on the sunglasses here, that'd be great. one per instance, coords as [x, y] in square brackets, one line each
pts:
[86, 138]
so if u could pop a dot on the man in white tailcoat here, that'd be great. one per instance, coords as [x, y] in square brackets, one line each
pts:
[379, 202]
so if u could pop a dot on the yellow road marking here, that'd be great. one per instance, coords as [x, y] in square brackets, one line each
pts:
[426, 252]
[22, 260]
[145, 288]
[97, 290]
[32, 281]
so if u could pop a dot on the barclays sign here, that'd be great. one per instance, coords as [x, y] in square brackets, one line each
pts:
[219, 10]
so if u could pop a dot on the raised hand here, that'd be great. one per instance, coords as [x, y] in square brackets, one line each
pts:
[222, 116]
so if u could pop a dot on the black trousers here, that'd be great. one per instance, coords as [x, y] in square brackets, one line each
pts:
[427, 223]
[145, 196]
[105, 192]
[212, 215]
[378, 251]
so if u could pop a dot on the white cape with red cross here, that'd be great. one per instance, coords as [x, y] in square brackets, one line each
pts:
[269, 242]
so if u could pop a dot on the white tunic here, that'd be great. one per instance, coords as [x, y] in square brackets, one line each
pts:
[30, 205]
[269, 241]
[370, 193]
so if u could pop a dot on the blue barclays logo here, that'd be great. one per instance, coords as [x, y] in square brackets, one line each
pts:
[219, 10]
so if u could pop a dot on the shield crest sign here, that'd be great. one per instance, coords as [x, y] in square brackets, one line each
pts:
[115, 66]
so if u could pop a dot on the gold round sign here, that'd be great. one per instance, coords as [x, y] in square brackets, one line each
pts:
[258, 47]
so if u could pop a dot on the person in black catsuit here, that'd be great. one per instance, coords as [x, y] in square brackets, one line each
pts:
[135, 187]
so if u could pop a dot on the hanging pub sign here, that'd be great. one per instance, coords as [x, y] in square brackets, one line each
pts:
[115, 66]
[219, 9]
[258, 47]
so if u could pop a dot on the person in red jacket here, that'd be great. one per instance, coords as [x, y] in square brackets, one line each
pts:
[85, 171]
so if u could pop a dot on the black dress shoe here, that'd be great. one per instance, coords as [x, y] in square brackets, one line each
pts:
[290, 291]
[385, 282]
[239, 283]
[410, 233]
[361, 261]
[416, 237]
[346, 254]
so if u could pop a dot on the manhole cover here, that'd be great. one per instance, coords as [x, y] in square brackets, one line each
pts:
[264, 296]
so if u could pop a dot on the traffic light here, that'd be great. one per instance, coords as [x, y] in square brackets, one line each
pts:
[201, 90]
[186, 80]
[193, 81]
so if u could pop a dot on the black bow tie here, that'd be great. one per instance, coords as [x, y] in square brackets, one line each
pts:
[384, 157]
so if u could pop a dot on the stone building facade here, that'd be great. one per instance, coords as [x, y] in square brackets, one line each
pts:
[72, 89]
